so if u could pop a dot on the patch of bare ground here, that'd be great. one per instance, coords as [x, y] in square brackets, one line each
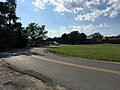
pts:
[13, 80]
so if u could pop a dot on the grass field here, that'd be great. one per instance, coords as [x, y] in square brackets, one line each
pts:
[107, 52]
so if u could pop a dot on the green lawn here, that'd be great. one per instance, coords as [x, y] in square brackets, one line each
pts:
[107, 52]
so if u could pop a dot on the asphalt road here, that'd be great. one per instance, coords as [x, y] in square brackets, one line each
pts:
[73, 73]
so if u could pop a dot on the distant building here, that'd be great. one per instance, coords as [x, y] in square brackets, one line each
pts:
[114, 40]
[90, 39]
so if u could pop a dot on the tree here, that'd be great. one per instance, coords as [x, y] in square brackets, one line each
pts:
[57, 39]
[12, 18]
[98, 36]
[74, 37]
[65, 38]
[3, 13]
[9, 27]
[82, 37]
[36, 32]
[21, 36]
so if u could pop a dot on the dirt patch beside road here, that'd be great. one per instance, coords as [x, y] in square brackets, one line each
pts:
[13, 80]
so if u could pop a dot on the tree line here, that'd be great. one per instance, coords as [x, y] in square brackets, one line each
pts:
[76, 37]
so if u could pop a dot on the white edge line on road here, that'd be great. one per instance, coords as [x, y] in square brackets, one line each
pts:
[79, 66]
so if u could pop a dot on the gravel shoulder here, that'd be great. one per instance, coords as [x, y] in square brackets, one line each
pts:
[13, 80]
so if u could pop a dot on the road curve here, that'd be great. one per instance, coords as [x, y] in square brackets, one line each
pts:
[73, 73]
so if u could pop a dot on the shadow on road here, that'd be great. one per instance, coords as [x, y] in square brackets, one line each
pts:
[18, 52]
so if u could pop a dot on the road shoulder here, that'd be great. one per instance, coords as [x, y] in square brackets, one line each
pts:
[13, 80]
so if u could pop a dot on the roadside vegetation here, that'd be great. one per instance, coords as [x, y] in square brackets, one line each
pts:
[107, 52]
[12, 34]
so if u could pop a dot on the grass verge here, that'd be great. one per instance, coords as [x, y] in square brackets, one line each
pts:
[107, 52]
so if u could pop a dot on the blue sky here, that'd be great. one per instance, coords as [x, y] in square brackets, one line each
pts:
[64, 16]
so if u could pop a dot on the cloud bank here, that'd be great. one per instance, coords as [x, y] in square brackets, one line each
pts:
[88, 10]
[83, 28]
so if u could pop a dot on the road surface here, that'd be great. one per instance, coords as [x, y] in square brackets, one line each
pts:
[70, 72]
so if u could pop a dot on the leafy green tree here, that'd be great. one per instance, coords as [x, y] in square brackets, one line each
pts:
[21, 36]
[65, 38]
[74, 37]
[36, 32]
[82, 37]
[12, 18]
[9, 27]
[98, 36]
[57, 39]
[3, 13]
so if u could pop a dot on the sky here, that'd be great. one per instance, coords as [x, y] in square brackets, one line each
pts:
[64, 16]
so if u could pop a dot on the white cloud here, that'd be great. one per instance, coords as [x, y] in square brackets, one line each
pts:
[89, 16]
[2, 0]
[84, 9]
[54, 33]
[62, 30]
[23, 0]
[89, 28]
[83, 28]
[103, 25]
[36, 9]
[40, 4]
